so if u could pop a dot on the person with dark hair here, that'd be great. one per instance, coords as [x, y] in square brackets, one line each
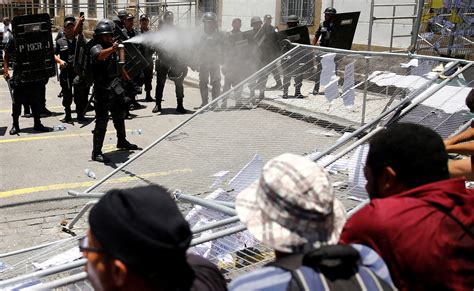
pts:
[138, 240]
[419, 221]
[65, 52]
[462, 143]
[293, 210]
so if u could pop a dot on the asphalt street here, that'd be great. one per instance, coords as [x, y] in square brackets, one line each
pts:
[37, 169]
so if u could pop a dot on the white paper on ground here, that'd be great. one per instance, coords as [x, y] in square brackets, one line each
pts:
[60, 259]
[247, 175]
[347, 88]
[411, 63]
[331, 91]
[220, 176]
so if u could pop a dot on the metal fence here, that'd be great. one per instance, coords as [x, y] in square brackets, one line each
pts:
[219, 150]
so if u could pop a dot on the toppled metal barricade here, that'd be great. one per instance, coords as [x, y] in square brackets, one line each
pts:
[226, 143]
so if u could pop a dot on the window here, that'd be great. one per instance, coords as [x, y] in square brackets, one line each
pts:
[92, 8]
[208, 6]
[304, 9]
[75, 7]
[111, 5]
[152, 8]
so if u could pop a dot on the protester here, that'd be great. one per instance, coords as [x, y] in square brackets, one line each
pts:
[419, 221]
[138, 240]
[462, 144]
[292, 209]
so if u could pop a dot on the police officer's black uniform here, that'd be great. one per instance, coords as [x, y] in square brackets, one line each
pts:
[132, 87]
[210, 54]
[109, 94]
[295, 64]
[23, 92]
[323, 32]
[66, 49]
[148, 71]
[270, 49]
[168, 65]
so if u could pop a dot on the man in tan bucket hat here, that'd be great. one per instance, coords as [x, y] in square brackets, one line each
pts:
[292, 209]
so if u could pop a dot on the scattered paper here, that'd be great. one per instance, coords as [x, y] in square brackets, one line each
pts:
[220, 176]
[357, 179]
[331, 91]
[328, 71]
[60, 259]
[411, 63]
[347, 88]
[247, 175]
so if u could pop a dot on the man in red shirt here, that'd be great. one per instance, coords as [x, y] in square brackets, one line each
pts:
[419, 220]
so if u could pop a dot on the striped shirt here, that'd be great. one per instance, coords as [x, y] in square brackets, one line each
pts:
[277, 279]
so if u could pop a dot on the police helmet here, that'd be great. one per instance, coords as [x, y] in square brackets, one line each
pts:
[254, 20]
[104, 26]
[209, 17]
[330, 10]
[168, 14]
[122, 13]
[267, 17]
[293, 19]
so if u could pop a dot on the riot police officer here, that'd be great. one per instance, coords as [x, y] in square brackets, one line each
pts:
[132, 87]
[210, 54]
[148, 54]
[323, 35]
[256, 56]
[271, 49]
[65, 54]
[119, 23]
[109, 93]
[295, 64]
[235, 56]
[169, 65]
[23, 91]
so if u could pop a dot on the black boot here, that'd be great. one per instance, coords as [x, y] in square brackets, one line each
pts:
[126, 145]
[15, 129]
[285, 93]
[67, 117]
[100, 157]
[298, 93]
[97, 142]
[122, 142]
[157, 108]
[180, 107]
[40, 127]
[148, 97]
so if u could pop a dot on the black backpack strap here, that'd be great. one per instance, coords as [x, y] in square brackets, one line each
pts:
[339, 266]
[450, 215]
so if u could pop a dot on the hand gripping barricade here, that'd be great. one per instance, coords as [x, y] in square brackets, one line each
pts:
[214, 151]
[34, 52]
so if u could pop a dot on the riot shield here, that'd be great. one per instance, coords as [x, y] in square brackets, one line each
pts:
[34, 52]
[298, 34]
[343, 30]
[299, 62]
[135, 62]
[82, 59]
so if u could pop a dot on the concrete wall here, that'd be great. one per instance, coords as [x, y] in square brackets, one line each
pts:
[245, 9]
[381, 28]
